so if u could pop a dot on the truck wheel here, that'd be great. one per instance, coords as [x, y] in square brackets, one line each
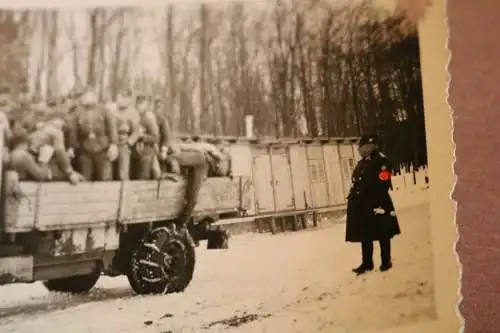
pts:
[74, 284]
[162, 262]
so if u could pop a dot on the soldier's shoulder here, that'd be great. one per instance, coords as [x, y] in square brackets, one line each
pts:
[383, 161]
[18, 156]
[77, 111]
[104, 109]
[132, 112]
[382, 157]
[161, 116]
[150, 116]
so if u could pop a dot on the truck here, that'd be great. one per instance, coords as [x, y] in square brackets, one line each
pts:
[68, 236]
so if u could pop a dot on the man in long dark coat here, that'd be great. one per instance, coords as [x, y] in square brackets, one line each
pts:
[370, 210]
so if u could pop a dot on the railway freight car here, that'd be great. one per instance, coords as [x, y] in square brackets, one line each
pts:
[290, 180]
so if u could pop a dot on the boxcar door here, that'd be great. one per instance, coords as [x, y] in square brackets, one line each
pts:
[317, 176]
[263, 183]
[282, 180]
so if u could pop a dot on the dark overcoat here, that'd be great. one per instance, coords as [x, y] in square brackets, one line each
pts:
[371, 183]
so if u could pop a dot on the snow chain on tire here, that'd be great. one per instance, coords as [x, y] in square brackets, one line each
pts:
[162, 262]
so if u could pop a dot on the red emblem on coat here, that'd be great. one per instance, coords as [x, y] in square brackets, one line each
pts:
[384, 175]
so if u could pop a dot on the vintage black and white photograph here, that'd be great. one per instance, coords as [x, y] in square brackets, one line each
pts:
[249, 166]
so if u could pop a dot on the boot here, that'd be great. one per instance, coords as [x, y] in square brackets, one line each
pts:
[385, 252]
[385, 266]
[363, 268]
[367, 258]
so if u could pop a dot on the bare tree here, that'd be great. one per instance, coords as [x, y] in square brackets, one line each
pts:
[52, 85]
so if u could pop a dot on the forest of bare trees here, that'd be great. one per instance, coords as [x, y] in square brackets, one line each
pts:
[301, 68]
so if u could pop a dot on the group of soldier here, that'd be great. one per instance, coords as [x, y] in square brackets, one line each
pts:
[80, 138]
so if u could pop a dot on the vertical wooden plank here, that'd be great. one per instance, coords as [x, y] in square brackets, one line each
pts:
[328, 199]
[347, 165]
[273, 178]
[242, 166]
[355, 152]
[282, 179]
[319, 186]
[309, 173]
[301, 182]
[263, 182]
[333, 173]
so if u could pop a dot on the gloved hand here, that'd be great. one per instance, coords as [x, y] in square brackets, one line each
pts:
[163, 153]
[112, 152]
[45, 154]
[130, 143]
[75, 178]
[71, 153]
[39, 125]
[175, 167]
[379, 211]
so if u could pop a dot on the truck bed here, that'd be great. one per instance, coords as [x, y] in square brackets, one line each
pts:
[62, 206]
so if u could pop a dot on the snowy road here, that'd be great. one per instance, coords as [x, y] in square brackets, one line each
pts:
[294, 282]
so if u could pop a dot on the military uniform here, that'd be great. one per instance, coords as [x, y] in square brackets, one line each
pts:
[198, 160]
[194, 162]
[370, 210]
[218, 161]
[128, 125]
[165, 132]
[147, 149]
[25, 163]
[93, 133]
[224, 166]
[71, 106]
[52, 134]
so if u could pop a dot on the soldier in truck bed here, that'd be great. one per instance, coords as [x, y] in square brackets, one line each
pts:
[92, 130]
[146, 163]
[27, 165]
[52, 134]
[128, 124]
[166, 134]
[370, 210]
[218, 160]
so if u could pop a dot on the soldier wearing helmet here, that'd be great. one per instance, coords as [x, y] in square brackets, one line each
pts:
[128, 124]
[217, 158]
[52, 134]
[166, 135]
[148, 166]
[92, 130]
[27, 165]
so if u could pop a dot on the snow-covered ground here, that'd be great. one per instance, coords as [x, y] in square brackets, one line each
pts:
[292, 282]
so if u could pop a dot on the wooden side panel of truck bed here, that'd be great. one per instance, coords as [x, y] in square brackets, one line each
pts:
[60, 206]
[145, 200]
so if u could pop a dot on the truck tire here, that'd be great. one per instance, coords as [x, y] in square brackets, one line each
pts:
[74, 284]
[162, 262]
